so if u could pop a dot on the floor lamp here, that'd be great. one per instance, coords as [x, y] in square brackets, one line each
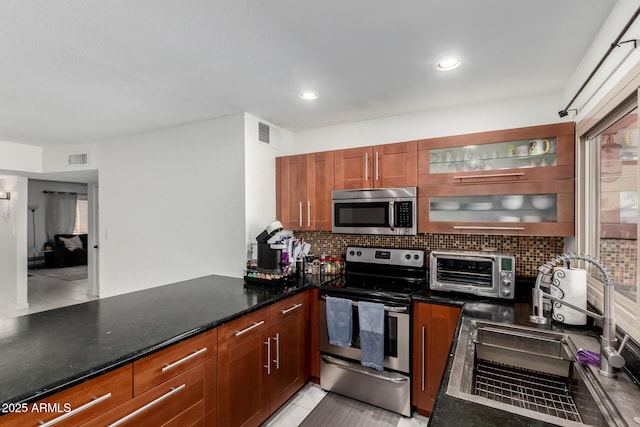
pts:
[33, 209]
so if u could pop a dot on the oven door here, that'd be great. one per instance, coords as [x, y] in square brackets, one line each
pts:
[362, 216]
[396, 337]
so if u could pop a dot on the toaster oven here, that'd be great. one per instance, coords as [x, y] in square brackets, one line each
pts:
[486, 274]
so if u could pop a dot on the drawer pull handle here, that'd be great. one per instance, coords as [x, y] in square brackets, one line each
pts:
[244, 331]
[87, 405]
[477, 227]
[295, 307]
[135, 413]
[184, 359]
[493, 175]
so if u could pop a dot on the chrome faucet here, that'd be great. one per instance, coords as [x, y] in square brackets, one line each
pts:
[610, 358]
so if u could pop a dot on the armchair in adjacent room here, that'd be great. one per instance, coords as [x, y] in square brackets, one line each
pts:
[69, 250]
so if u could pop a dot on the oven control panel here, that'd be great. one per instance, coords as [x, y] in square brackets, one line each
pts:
[399, 257]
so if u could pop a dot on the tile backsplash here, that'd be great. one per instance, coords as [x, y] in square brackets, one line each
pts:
[529, 251]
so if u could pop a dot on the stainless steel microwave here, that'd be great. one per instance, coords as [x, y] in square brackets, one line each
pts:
[391, 211]
[487, 274]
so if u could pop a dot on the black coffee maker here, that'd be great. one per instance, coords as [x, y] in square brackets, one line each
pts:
[270, 254]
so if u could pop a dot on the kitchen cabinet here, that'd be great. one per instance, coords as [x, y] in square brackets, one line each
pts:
[314, 356]
[262, 362]
[303, 191]
[387, 165]
[174, 386]
[177, 401]
[289, 359]
[433, 329]
[516, 181]
[76, 405]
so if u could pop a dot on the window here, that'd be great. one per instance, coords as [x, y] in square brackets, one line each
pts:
[82, 216]
[608, 186]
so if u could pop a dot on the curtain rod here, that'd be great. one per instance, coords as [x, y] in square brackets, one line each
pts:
[65, 192]
[616, 43]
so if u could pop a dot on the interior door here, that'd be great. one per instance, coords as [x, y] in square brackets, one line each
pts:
[93, 240]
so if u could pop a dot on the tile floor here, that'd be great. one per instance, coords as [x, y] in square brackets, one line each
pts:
[300, 405]
[45, 293]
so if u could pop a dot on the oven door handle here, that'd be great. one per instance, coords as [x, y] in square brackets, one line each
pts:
[330, 361]
[386, 307]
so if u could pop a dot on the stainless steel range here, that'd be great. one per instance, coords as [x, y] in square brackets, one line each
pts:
[390, 277]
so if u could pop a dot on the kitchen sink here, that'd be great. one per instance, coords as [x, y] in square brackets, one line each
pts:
[533, 372]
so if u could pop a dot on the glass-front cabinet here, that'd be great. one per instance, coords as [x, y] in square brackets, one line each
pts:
[516, 181]
[538, 152]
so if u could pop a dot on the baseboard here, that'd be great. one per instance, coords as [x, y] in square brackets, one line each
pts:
[6, 305]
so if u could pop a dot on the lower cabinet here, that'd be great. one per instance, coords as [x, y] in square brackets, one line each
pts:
[433, 329]
[76, 405]
[236, 375]
[262, 362]
[177, 401]
[288, 335]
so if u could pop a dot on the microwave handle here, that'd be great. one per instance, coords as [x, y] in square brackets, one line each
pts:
[391, 216]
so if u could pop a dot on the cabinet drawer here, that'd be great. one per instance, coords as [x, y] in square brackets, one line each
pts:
[157, 368]
[238, 330]
[77, 404]
[162, 404]
[289, 307]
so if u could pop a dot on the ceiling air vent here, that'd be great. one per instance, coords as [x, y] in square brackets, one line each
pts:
[78, 159]
[263, 132]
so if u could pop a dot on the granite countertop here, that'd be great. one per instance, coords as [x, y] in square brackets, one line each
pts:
[45, 352]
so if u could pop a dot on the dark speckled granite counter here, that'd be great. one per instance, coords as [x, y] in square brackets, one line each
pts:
[45, 352]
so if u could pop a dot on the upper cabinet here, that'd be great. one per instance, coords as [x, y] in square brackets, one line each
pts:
[512, 155]
[516, 181]
[303, 191]
[388, 165]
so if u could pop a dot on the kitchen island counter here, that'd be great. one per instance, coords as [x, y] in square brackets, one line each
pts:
[46, 352]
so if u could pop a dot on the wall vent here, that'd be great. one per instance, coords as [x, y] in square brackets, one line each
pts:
[263, 132]
[78, 159]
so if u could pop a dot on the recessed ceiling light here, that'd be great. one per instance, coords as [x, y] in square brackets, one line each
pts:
[309, 95]
[447, 64]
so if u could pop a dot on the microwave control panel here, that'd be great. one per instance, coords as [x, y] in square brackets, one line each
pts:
[404, 214]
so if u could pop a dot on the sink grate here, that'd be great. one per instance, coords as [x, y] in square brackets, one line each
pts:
[531, 390]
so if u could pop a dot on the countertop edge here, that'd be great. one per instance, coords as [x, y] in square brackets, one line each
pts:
[131, 357]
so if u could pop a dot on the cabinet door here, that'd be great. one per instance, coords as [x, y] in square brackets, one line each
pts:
[291, 191]
[155, 369]
[320, 178]
[510, 155]
[354, 168]
[433, 330]
[243, 398]
[395, 165]
[288, 342]
[77, 404]
[176, 401]
[540, 208]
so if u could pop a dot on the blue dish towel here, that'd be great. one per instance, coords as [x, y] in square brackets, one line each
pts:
[371, 317]
[339, 322]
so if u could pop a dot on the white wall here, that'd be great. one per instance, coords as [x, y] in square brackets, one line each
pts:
[502, 114]
[20, 157]
[172, 205]
[260, 163]
[13, 250]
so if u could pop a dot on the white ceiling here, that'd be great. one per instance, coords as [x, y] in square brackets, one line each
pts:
[78, 71]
